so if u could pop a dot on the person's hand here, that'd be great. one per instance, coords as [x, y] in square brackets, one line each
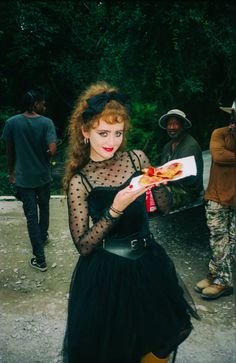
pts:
[126, 196]
[12, 178]
[232, 128]
[165, 182]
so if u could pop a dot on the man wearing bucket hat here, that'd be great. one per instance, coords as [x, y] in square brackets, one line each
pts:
[180, 192]
[221, 211]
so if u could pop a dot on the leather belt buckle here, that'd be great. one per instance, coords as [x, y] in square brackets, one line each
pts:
[135, 244]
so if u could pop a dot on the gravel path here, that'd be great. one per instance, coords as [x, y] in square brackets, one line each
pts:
[33, 304]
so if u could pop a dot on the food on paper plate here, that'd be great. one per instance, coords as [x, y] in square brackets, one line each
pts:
[156, 175]
[146, 179]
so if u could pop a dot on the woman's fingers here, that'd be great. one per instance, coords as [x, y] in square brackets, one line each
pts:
[128, 195]
[134, 194]
[142, 191]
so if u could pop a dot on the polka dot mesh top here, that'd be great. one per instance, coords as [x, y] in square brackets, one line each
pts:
[113, 173]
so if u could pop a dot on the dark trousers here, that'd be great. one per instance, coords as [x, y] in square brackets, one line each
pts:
[36, 209]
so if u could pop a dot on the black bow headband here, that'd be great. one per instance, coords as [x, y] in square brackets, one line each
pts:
[96, 104]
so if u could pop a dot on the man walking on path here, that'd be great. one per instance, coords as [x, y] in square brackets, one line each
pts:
[30, 142]
[221, 211]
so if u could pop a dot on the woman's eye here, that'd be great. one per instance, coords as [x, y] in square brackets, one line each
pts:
[119, 133]
[103, 134]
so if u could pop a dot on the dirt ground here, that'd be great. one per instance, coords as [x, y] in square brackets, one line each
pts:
[34, 304]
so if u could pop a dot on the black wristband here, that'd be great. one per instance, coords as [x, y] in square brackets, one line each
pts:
[108, 216]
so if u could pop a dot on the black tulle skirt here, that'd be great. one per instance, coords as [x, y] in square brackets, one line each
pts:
[121, 309]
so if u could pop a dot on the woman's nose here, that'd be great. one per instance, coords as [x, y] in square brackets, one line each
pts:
[111, 140]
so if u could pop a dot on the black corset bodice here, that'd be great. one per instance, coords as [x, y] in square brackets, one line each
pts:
[133, 221]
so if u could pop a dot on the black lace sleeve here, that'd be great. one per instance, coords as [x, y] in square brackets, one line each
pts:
[85, 237]
[140, 159]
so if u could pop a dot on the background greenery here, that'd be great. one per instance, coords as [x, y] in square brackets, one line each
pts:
[163, 54]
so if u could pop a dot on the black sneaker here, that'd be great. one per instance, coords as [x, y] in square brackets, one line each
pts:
[39, 266]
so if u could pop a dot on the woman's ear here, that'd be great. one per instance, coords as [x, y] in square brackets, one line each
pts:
[84, 133]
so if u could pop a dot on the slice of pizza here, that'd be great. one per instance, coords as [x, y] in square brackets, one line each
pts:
[169, 171]
[146, 179]
[156, 175]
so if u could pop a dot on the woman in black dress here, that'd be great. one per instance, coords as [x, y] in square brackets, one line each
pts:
[125, 303]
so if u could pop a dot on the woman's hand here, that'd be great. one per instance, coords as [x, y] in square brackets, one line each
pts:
[125, 197]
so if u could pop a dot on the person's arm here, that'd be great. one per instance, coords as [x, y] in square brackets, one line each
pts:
[10, 152]
[220, 154]
[51, 138]
[52, 148]
[85, 238]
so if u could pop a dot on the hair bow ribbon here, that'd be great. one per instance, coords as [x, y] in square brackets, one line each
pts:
[96, 104]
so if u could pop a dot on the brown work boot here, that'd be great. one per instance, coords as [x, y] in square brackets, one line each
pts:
[215, 291]
[151, 358]
[201, 285]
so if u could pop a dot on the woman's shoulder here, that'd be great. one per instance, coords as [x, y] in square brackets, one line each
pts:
[139, 153]
[140, 157]
[78, 184]
[76, 178]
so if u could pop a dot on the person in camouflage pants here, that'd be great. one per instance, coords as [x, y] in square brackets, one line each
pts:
[221, 211]
[221, 222]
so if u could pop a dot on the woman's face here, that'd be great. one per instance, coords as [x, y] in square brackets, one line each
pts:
[105, 139]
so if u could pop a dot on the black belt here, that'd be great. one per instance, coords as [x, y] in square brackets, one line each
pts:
[131, 247]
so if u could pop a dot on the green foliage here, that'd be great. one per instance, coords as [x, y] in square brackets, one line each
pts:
[143, 128]
[175, 54]
[5, 113]
[5, 188]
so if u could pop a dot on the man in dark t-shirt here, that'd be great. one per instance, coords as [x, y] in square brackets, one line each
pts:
[30, 142]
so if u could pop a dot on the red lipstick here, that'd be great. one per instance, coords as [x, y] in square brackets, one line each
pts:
[108, 149]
